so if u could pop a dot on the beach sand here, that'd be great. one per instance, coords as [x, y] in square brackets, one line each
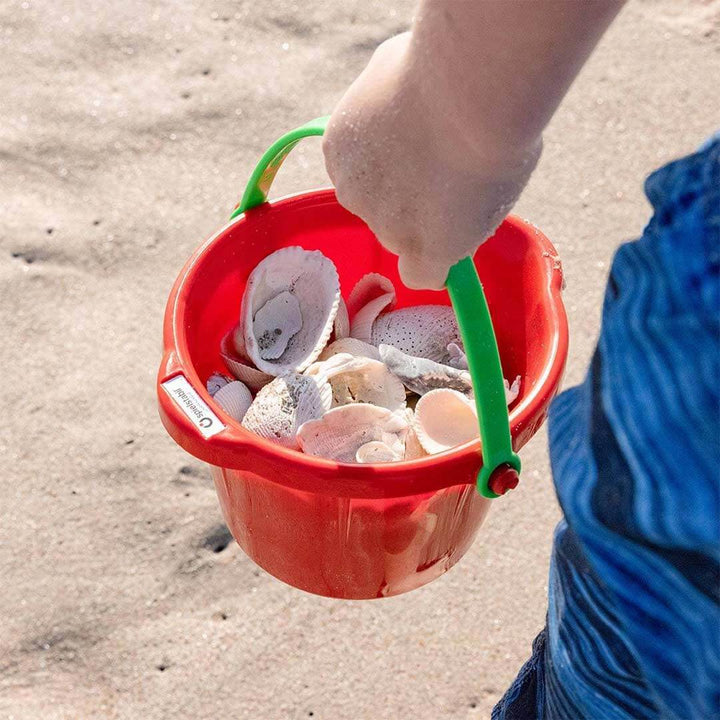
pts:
[126, 134]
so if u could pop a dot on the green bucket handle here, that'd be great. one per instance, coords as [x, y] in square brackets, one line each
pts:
[501, 465]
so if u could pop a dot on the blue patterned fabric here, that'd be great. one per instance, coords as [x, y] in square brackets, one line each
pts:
[633, 625]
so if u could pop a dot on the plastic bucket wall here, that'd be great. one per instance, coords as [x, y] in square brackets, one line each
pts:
[351, 531]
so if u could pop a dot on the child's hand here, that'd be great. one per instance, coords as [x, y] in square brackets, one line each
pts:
[429, 195]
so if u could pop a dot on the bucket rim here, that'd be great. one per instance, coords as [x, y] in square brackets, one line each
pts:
[229, 449]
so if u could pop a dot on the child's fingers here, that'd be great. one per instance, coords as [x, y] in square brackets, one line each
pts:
[422, 273]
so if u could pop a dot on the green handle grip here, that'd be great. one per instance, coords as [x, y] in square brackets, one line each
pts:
[471, 308]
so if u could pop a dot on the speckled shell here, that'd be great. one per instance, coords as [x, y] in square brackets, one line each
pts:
[343, 430]
[372, 295]
[421, 375]
[422, 331]
[234, 398]
[313, 280]
[283, 405]
[445, 419]
[239, 365]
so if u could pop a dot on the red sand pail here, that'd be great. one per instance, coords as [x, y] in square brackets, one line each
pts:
[341, 530]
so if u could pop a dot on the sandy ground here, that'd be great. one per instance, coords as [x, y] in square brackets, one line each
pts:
[126, 133]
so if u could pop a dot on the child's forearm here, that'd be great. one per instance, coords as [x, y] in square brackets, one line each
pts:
[498, 69]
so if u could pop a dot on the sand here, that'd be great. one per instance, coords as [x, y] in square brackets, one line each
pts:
[126, 133]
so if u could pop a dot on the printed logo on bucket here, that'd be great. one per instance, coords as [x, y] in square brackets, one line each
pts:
[185, 397]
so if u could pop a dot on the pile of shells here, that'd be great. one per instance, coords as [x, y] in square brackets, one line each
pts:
[353, 382]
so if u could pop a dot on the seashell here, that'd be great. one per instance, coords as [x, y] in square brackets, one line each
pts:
[351, 346]
[413, 449]
[376, 451]
[444, 419]
[286, 403]
[422, 331]
[342, 321]
[458, 358]
[234, 398]
[512, 391]
[371, 295]
[313, 281]
[275, 324]
[342, 431]
[215, 382]
[360, 380]
[239, 365]
[421, 375]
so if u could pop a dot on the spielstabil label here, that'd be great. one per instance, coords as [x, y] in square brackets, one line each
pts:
[201, 416]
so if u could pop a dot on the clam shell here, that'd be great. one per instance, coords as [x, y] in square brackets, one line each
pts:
[313, 280]
[342, 321]
[422, 331]
[342, 431]
[239, 365]
[234, 398]
[422, 375]
[215, 382]
[360, 380]
[371, 295]
[284, 404]
[445, 419]
[376, 451]
[458, 358]
[351, 346]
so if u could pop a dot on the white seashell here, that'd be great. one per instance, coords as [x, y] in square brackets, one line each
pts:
[360, 380]
[283, 405]
[458, 358]
[313, 280]
[215, 382]
[240, 366]
[422, 375]
[234, 398]
[444, 419]
[342, 321]
[371, 295]
[342, 431]
[413, 449]
[275, 324]
[512, 391]
[422, 331]
[376, 451]
[352, 346]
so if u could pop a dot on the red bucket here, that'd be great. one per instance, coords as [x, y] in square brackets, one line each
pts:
[341, 530]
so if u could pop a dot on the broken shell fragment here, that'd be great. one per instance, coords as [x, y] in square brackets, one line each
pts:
[360, 380]
[376, 451]
[309, 277]
[283, 405]
[234, 398]
[342, 321]
[372, 294]
[413, 449]
[512, 391]
[458, 358]
[421, 375]
[342, 431]
[239, 365]
[445, 419]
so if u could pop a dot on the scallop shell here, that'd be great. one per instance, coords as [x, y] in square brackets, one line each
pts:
[371, 295]
[313, 281]
[360, 380]
[422, 331]
[376, 451]
[216, 381]
[283, 405]
[421, 375]
[342, 321]
[342, 431]
[239, 365]
[445, 419]
[234, 398]
[351, 346]
[458, 358]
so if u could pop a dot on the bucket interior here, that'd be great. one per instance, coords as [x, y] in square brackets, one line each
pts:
[512, 265]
